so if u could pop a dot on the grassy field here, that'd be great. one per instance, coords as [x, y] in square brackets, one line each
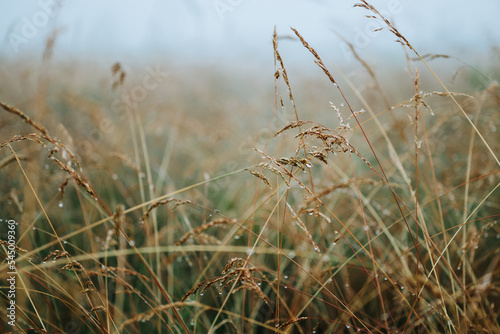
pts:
[152, 199]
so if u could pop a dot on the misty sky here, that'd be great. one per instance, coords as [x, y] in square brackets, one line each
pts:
[236, 30]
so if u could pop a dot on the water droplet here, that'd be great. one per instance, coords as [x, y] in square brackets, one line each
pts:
[132, 243]
[459, 268]
[34, 228]
[285, 277]
[348, 326]
[285, 287]
[366, 228]
[236, 236]
[61, 204]
[342, 104]
[402, 288]
[114, 176]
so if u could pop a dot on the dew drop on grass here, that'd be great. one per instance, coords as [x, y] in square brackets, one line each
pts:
[132, 243]
[348, 326]
[366, 228]
[61, 204]
[34, 228]
[236, 237]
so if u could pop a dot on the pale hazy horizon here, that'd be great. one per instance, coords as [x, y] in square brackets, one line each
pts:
[241, 31]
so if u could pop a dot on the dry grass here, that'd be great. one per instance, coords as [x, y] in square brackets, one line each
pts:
[373, 213]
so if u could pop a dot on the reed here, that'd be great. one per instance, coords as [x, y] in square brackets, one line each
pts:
[368, 213]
